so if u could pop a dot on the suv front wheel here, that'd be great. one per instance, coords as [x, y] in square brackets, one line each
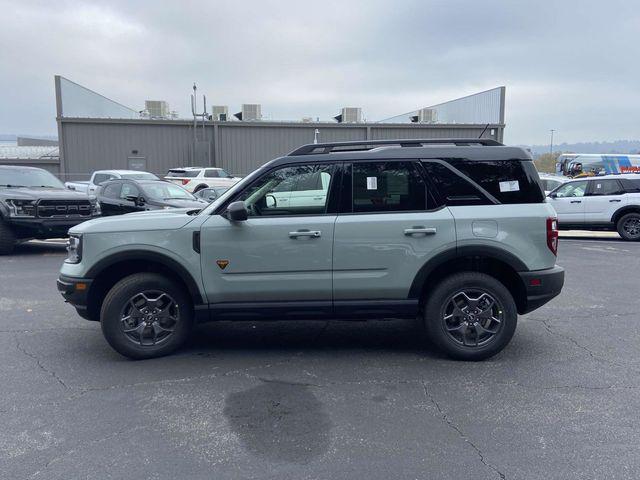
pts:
[146, 315]
[470, 316]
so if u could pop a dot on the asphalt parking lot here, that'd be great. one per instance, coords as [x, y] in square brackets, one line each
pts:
[325, 400]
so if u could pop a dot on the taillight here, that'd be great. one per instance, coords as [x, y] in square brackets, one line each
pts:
[552, 235]
[185, 181]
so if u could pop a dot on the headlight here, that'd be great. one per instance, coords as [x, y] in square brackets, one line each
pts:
[74, 247]
[22, 208]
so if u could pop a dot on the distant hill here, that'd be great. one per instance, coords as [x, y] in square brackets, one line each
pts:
[617, 146]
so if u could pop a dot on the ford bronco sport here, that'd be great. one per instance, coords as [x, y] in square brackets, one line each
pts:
[456, 232]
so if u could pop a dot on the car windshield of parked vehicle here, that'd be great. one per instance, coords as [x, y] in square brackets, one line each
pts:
[166, 191]
[139, 176]
[27, 177]
[183, 173]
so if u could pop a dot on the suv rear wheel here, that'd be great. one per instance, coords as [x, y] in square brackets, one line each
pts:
[470, 316]
[7, 239]
[628, 226]
[146, 315]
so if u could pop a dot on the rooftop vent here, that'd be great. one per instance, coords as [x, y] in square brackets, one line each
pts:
[425, 115]
[250, 112]
[157, 108]
[349, 115]
[219, 113]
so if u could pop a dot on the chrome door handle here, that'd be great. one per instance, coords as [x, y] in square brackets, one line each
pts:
[423, 230]
[576, 201]
[614, 200]
[305, 233]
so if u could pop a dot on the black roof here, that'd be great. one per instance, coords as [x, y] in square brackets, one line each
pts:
[469, 148]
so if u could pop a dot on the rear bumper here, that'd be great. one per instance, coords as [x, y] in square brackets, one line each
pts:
[541, 286]
[75, 291]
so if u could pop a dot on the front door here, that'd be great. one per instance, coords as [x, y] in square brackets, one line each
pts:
[388, 232]
[280, 253]
[568, 202]
[109, 198]
[127, 204]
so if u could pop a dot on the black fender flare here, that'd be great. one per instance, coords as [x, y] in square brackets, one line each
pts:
[150, 256]
[483, 251]
[623, 211]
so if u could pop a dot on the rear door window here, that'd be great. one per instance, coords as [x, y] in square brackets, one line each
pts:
[387, 187]
[605, 187]
[183, 173]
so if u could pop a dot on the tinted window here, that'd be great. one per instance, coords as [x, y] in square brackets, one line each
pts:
[572, 189]
[210, 173]
[606, 187]
[631, 185]
[453, 188]
[509, 181]
[112, 190]
[387, 187]
[129, 189]
[548, 184]
[277, 193]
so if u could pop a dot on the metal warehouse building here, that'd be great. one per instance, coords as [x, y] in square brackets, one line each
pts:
[97, 133]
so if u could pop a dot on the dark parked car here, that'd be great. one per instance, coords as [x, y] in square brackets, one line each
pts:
[121, 196]
[210, 194]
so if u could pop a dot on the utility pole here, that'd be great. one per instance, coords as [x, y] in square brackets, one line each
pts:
[551, 144]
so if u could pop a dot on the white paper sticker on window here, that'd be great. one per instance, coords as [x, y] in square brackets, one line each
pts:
[372, 183]
[510, 186]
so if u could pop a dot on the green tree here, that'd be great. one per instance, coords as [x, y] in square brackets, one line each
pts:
[547, 162]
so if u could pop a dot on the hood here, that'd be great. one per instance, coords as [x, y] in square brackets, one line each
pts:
[172, 219]
[39, 193]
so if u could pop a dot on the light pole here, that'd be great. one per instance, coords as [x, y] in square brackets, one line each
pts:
[551, 144]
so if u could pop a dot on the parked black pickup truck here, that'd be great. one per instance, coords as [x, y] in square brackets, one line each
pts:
[35, 204]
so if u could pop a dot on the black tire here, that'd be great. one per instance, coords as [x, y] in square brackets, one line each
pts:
[118, 300]
[7, 239]
[628, 226]
[451, 336]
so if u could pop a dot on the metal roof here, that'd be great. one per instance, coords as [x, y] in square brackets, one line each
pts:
[14, 152]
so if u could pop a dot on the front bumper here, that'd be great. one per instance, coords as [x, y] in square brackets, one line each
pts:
[43, 228]
[75, 291]
[540, 287]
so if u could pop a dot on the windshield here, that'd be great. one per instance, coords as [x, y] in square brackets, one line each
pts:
[166, 191]
[28, 177]
[140, 176]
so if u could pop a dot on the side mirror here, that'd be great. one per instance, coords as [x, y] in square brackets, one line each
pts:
[552, 195]
[135, 199]
[237, 212]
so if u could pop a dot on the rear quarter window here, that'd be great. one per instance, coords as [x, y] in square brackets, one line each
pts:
[183, 173]
[509, 181]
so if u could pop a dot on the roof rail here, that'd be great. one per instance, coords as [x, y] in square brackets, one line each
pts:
[320, 148]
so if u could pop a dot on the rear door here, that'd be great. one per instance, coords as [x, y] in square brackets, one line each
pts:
[568, 202]
[603, 198]
[386, 230]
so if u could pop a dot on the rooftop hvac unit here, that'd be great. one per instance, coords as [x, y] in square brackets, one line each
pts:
[349, 115]
[157, 108]
[250, 112]
[425, 115]
[219, 113]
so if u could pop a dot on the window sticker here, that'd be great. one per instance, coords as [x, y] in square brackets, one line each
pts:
[372, 183]
[599, 185]
[510, 186]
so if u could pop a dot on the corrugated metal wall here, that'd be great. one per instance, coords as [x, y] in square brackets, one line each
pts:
[240, 147]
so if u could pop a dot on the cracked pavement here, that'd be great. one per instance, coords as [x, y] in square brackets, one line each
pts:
[311, 400]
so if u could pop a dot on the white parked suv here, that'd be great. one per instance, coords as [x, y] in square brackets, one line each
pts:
[609, 202]
[195, 179]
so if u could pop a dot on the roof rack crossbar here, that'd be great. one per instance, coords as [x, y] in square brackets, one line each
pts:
[363, 145]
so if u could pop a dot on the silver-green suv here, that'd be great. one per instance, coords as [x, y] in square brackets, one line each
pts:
[456, 232]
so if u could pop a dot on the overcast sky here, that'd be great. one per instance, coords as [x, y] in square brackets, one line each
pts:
[573, 65]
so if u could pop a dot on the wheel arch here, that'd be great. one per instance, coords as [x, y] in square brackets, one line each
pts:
[623, 211]
[108, 271]
[493, 261]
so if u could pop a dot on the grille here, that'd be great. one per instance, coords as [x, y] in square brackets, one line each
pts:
[64, 208]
